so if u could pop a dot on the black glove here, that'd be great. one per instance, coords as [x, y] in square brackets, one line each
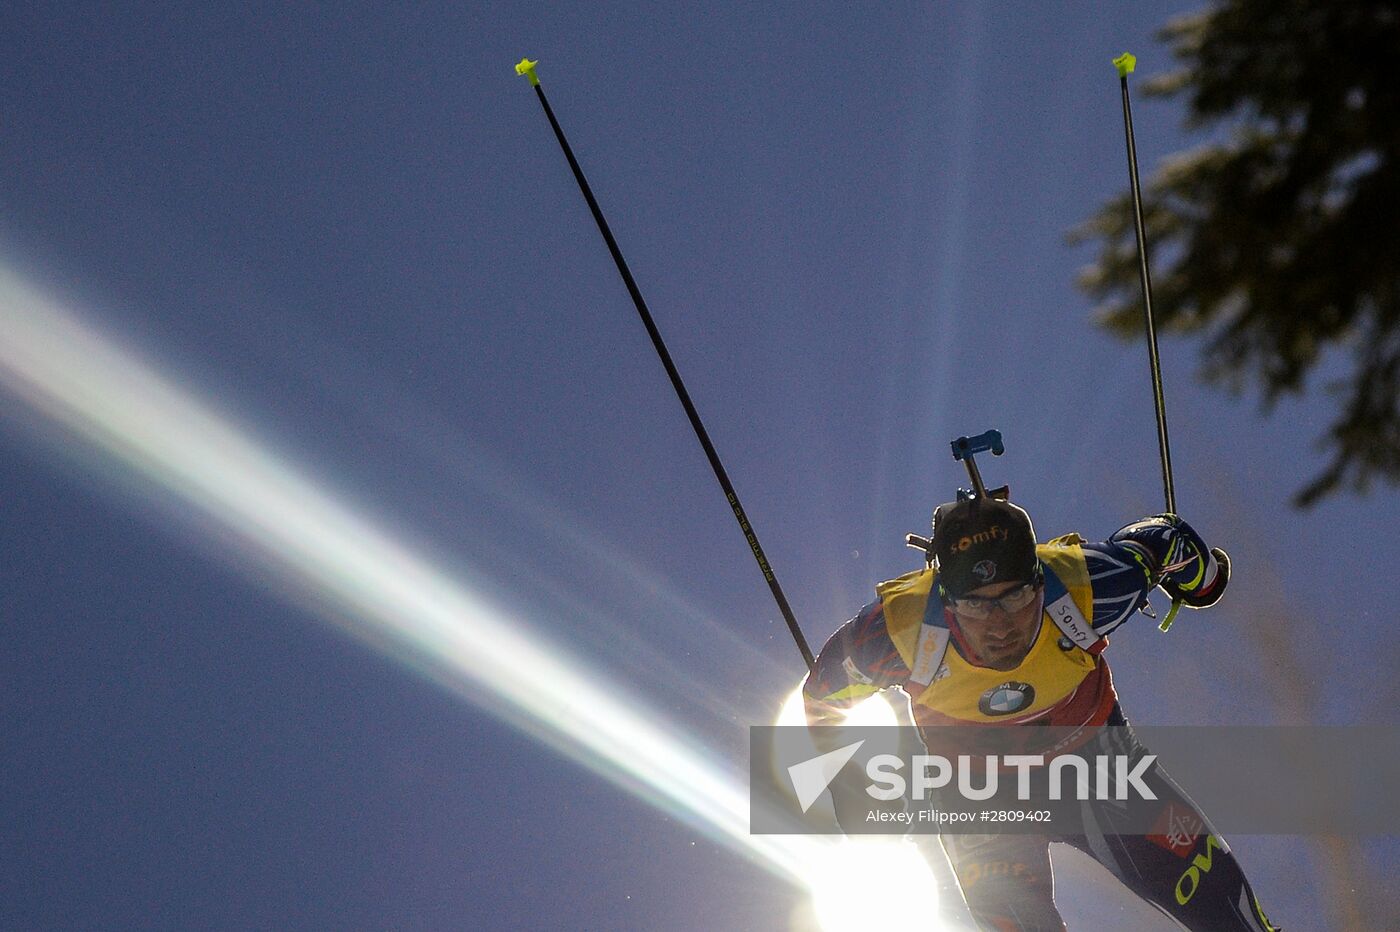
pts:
[1206, 596]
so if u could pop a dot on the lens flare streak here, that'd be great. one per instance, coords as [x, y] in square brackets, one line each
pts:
[107, 397]
[386, 593]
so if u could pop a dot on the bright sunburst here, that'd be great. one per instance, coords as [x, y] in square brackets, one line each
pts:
[395, 597]
[867, 882]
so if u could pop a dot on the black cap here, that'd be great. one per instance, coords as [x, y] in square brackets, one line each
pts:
[983, 541]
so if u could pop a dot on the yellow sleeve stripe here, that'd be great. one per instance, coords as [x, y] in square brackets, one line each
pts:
[851, 693]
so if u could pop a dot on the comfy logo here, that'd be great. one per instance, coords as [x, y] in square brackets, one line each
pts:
[995, 532]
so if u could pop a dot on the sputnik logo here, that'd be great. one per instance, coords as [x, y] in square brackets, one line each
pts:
[811, 777]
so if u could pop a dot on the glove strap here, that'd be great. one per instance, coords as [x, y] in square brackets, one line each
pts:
[1166, 623]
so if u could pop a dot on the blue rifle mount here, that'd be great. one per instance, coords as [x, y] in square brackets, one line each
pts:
[964, 448]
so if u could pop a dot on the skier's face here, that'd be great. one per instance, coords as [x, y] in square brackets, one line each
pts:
[999, 636]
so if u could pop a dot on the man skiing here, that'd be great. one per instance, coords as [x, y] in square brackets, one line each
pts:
[1000, 631]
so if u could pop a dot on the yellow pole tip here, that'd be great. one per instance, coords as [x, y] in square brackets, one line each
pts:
[527, 68]
[1125, 64]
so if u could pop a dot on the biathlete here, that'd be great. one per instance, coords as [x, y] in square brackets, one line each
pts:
[1002, 631]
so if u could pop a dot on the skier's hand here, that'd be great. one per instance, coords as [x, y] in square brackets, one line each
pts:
[1207, 595]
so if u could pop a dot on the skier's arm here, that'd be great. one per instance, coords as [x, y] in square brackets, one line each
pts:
[1161, 550]
[856, 662]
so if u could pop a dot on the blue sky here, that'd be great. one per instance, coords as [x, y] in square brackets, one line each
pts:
[351, 232]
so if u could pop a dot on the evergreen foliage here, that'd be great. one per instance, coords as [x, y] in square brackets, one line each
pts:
[1278, 241]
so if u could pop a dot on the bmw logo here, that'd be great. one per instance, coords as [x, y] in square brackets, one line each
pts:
[1007, 698]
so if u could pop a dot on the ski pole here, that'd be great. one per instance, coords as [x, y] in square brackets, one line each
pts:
[526, 67]
[1125, 64]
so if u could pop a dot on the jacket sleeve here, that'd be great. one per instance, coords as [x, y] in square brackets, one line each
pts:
[856, 662]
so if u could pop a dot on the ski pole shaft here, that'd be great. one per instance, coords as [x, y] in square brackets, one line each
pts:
[1125, 64]
[527, 68]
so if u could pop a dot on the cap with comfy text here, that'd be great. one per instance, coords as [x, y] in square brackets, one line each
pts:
[983, 541]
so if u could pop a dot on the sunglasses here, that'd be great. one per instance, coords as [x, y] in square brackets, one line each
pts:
[979, 607]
